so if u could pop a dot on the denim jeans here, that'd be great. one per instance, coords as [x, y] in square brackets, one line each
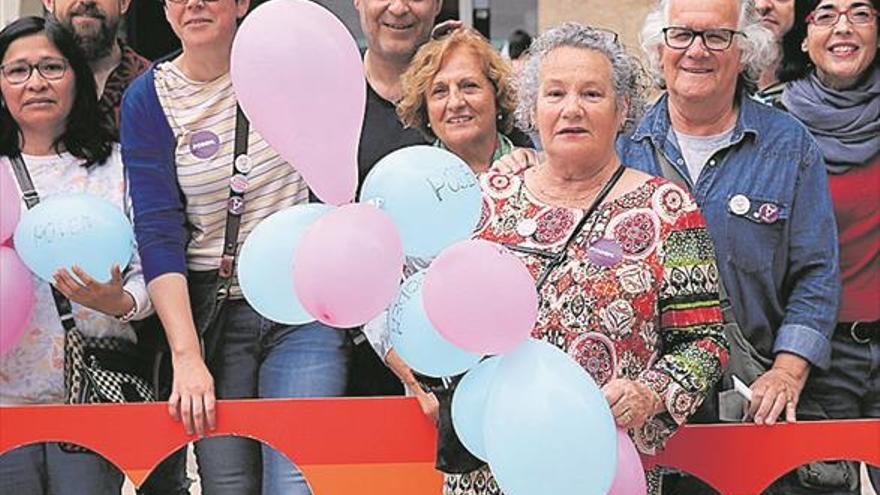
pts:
[45, 469]
[253, 357]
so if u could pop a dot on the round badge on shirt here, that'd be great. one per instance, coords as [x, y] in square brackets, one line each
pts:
[243, 164]
[739, 205]
[526, 227]
[238, 183]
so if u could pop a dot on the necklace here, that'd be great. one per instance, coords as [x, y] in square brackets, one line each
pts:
[577, 198]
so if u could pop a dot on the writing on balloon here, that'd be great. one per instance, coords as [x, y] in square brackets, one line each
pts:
[451, 181]
[409, 289]
[50, 232]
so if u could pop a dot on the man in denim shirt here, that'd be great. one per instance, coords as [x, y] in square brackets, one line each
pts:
[759, 180]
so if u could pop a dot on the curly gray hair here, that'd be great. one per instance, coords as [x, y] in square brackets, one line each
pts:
[758, 48]
[627, 73]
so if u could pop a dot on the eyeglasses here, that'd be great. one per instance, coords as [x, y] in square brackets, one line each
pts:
[681, 38]
[52, 69]
[182, 2]
[855, 14]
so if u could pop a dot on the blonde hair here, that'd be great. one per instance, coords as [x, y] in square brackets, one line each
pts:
[416, 81]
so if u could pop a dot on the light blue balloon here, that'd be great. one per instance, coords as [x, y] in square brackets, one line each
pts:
[265, 264]
[417, 341]
[548, 428]
[469, 406]
[74, 229]
[432, 196]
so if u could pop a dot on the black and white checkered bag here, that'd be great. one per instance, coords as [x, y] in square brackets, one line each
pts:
[102, 370]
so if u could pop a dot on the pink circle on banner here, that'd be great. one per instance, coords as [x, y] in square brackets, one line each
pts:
[480, 297]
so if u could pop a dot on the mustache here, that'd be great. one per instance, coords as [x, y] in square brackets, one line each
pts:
[88, 9]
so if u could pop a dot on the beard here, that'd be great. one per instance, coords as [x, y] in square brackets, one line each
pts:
[95, 44]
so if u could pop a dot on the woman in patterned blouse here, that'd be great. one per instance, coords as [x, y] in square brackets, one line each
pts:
[633, 297]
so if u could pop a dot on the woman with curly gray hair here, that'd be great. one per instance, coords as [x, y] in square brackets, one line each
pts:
[608, 246]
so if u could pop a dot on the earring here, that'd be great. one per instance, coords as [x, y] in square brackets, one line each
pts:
[500, 117]
[804, 46]
[428, 125]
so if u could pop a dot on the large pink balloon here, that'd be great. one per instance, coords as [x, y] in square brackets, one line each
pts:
[348, 265]
[630, 476]
[298, 76]
[480, 297]
[10, 204]
[16, 299]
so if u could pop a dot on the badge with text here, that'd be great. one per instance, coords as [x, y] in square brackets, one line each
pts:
[204, 144]
[767, 213]
[242, 164]
[605, 252]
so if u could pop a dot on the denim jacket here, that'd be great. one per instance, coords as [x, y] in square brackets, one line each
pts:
[766, 201]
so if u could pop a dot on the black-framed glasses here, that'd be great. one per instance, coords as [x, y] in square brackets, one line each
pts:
[857, 15]
[681, 38]
[182, 2]
[51, 69]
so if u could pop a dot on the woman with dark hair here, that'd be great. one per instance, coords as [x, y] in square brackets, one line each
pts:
[831, 66]
[50, 126]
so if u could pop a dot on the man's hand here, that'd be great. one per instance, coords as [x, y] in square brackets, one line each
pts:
[428, 402]
[516, 161]
[192, 395]
[779, 389]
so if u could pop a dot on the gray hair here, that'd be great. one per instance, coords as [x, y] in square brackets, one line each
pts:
[627, 73]
[758, 48]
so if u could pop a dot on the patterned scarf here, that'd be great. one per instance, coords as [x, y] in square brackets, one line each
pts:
[845, 123]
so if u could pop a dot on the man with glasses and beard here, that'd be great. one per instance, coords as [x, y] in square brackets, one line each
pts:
[95, 26]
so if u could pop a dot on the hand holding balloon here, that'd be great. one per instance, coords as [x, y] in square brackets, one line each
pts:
[632, 403]
[108, 298]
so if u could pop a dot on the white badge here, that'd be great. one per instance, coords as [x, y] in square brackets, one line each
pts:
[526, 227]
[242, 164]
[739, 205]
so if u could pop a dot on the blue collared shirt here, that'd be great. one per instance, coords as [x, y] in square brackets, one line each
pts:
[766, 201]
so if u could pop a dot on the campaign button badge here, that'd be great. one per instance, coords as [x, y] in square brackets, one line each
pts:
[527, 227]
[768, 213]
[243, 164]
[238, 183]
[605, 252]
[739, 205]
[235, 205]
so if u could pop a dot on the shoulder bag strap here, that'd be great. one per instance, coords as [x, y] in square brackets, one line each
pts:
[235, 205]
[31, 198]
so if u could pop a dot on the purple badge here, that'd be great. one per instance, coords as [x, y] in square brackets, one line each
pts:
[235, 205]
[605, 252]
[768, 213]
[204, 144]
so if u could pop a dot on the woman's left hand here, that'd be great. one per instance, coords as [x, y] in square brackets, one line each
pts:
[108, 298]
[632, 403]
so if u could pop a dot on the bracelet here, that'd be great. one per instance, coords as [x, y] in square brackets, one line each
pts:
[125, 318]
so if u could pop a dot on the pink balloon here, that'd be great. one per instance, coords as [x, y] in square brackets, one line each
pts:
[630, 476]
[10, 205]
[348, 265]
[16, 299]
[298, 76]
[480, 297]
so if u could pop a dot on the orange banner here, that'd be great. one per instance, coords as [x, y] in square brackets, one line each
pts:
[386, 445]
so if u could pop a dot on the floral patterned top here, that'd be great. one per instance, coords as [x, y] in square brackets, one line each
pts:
[637, 295]
[32, 372]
